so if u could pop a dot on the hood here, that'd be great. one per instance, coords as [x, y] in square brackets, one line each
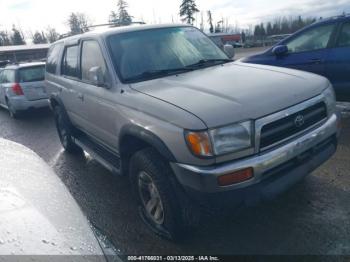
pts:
[234, 92]
[38, 216]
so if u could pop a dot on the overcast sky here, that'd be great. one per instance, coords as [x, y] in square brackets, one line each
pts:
[33, 15]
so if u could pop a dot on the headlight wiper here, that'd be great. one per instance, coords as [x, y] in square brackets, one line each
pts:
[204, 62]
[160, 72]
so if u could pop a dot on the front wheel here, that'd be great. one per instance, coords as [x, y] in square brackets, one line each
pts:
[64, 130]
[157, 200]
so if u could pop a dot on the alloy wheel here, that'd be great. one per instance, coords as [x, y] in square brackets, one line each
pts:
[150, 198]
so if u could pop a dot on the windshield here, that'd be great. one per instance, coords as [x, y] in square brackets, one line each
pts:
[143, 55]
[32, 74]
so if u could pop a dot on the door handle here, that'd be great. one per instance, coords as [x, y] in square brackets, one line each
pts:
[316, 61]
[81, 96]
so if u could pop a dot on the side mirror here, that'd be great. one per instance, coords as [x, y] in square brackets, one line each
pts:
[229, 50]
[280, 50]
[96, 76]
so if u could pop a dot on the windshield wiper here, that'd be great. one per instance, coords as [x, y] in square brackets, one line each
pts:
[204, 62]
[160, 72]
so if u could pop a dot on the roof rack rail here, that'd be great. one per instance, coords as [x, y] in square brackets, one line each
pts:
[116, 24]
[86, 29]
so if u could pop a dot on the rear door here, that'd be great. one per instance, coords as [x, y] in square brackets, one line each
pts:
[70, 82]
[308, 50]
[31, 79]
[338, 63]
[2, 93]
[7, 82]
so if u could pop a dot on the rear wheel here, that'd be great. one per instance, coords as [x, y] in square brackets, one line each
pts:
[13, 113]
[157, 196]
[64, 129]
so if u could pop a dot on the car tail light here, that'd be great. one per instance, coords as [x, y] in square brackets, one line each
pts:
[17, 89]
[236, 177]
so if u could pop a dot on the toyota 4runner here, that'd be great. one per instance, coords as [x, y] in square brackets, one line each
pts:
[190, 127]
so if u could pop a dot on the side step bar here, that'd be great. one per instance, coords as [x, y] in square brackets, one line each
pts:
[105, 157]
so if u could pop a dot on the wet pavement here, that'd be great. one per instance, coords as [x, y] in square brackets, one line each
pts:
[311, 218]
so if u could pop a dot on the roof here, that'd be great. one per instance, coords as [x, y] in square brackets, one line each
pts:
[337, 17]
[123, 29]
[23, 65]
[14, 48]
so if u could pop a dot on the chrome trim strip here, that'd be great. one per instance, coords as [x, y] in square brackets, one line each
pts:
[205, 178]
[260, 123]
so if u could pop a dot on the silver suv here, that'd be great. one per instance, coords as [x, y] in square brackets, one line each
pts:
[192, 129]
[22, 87]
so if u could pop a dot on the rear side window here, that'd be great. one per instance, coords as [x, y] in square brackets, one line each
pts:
[91, 58]
[31, 74]
[8, 76]
[53, 58]
[70, 62]
[344, 37]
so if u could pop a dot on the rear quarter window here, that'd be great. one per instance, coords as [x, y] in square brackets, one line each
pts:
[53, 58]
[8, 76]
[31, 74]
[70, 62]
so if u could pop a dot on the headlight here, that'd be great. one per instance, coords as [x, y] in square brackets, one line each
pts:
[221, 140]
[330, 99]
[232, 138]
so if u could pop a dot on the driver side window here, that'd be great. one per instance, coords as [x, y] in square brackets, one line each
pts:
[310, 40]
[91, 58]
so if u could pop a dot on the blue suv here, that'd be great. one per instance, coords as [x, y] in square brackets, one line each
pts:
[322, 48]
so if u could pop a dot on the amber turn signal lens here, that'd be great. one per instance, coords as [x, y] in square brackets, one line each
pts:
[236, 177]
[199, 143]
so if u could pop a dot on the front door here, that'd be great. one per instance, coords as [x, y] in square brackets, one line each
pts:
[97, 106]
[338, 64]
[308, 50]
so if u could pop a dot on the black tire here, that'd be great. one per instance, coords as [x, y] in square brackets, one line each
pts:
[148, 161]
[13, 113]
[65, 131]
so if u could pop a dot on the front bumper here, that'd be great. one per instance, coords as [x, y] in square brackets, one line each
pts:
[21, 103]
[274, 170]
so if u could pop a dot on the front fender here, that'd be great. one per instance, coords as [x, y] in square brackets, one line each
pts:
[147, 137]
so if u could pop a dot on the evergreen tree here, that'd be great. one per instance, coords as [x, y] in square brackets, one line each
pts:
[285, 29]
[269, 29]
[121, 17]
[113, 18]
[202, 22]
[187, 9]
[17, 38]
[39, 38]
[283, 25]
[257, 31]
[78, 23]
[275, 29]
[210, 21]
[51, 35]
[243, 36]
[4, 38]
[262, 31]
[74, 25]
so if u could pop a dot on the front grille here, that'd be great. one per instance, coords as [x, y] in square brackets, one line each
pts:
[291, 125]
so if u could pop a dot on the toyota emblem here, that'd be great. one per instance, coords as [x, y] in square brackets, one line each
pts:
[299, 121]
